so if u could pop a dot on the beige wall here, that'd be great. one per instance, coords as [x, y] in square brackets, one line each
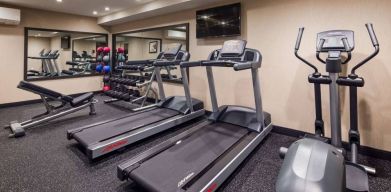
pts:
[271, 26]
[84, 45]
[12, 46]
[138, 48]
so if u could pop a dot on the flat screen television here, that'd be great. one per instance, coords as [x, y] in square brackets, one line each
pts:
[65, 42]
[219, 21]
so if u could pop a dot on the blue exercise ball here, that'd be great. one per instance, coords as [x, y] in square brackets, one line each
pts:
[106, 69]
[99, 68]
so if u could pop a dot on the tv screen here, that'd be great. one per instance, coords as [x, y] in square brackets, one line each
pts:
[219, 21]
[65, 42]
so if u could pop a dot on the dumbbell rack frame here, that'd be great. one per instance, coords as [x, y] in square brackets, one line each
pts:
[147, 84]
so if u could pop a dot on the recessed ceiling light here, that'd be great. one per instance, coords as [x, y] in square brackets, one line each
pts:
[95, 12]
[107, 8]
[59, 1]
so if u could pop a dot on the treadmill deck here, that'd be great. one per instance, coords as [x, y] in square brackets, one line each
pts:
[189, 157]
[112, 129]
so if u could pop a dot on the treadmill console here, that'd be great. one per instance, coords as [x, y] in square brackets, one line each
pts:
[172, 50]
[333, 40]
[233, 48]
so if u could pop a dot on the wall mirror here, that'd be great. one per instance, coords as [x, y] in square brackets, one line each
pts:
[148, 43]
[55, 54]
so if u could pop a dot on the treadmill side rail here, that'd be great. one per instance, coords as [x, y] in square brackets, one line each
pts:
[71, 132]
[102, 148]
[217, 174]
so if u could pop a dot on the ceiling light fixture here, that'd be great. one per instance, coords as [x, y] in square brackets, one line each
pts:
[59, 1]
[95, 12]
[107, 8]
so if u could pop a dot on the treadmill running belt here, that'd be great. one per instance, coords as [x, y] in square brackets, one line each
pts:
[107, 130]
[177, 165]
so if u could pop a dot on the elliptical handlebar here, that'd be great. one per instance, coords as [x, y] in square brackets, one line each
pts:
[372, 34]
[299, 36]
[297, 46]
[375, 44]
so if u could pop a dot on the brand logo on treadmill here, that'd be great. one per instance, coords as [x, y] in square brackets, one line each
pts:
[183, 181]
[212, 187]
[114, 145]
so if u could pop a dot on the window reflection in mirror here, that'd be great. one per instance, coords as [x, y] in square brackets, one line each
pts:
[148, 43]
[52, 54]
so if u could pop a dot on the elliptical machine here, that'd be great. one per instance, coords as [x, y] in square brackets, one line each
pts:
[312, 164]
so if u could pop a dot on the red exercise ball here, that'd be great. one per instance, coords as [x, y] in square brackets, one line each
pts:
[99, 49]
[106, 50]
[120, 50]
[106, 88]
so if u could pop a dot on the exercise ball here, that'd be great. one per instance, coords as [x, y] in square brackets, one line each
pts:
[99, 50]
[106, 78]
[120, 50]
[106, 50]
[106, 88]
[106, 59]
[121, 58]
[99, 68]
[106, 69]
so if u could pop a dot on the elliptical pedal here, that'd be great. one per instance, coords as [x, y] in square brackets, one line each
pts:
[356, 178]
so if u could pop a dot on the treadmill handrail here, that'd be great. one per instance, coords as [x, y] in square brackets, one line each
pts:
[235, 64]
[162, 63]
[140, 62]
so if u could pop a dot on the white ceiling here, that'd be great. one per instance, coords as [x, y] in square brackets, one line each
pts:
[120, 10]
[152, 9]
[79, 7]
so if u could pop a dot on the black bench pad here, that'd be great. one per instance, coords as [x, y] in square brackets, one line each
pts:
[81, 99]
[39, 90]
[55, 95]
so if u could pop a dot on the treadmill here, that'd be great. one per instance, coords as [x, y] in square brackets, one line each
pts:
[107, 136]
[201, 158]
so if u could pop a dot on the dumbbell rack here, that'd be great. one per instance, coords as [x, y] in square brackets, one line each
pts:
[125, 87]
[167, 76]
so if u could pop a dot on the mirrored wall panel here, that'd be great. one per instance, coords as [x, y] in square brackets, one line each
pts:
[149, 43]
[53, 54]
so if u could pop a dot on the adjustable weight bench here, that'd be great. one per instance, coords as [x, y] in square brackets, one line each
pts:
[68, 105]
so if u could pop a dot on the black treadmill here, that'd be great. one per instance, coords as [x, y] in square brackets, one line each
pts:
[107, 136]
[201, 158]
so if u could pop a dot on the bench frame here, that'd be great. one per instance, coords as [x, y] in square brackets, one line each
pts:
[52, 112]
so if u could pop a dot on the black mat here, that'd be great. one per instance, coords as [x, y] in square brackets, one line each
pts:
[44, 160]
